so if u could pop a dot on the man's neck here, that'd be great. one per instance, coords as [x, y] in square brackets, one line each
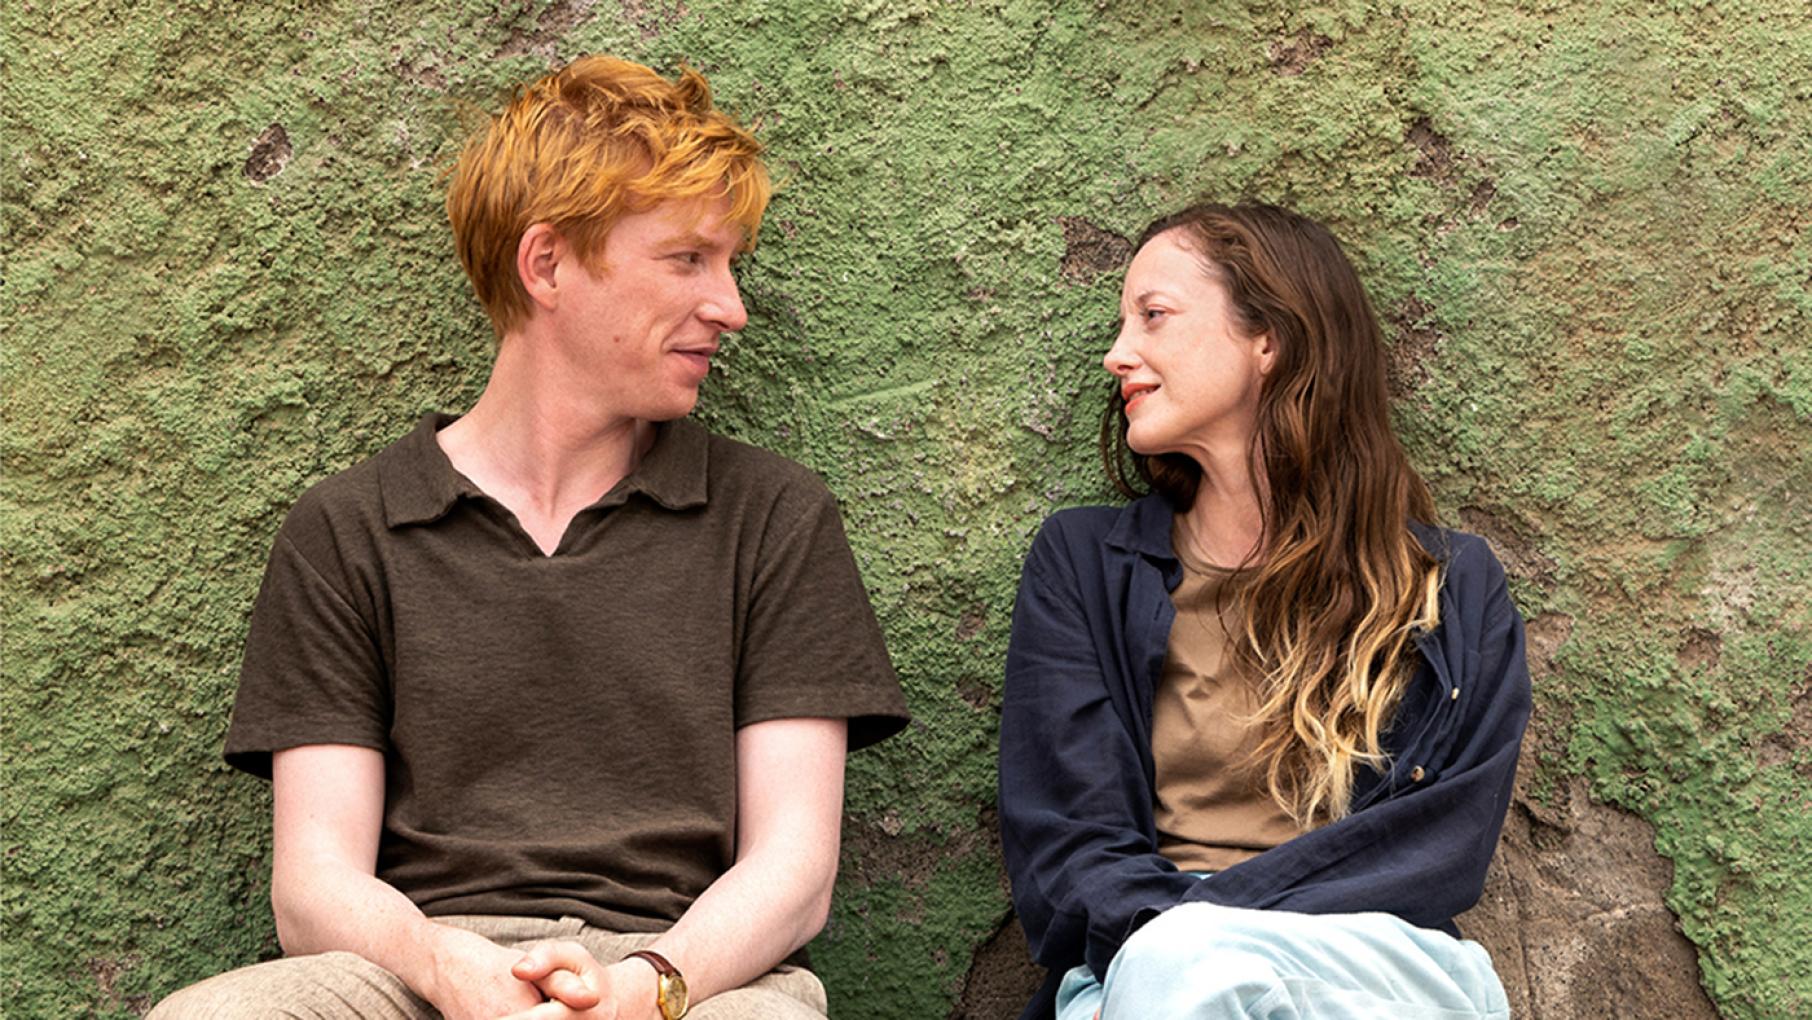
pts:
[540, 449]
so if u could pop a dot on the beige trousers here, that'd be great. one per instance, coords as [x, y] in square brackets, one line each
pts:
[343, 986]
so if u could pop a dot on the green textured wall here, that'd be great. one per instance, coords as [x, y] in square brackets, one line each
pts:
[1587, 226]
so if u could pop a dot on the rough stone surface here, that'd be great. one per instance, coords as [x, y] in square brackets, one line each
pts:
[1588, 229]
[1574, 910]
[1574, 917]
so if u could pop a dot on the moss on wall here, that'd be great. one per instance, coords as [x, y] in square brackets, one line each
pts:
[226, 275]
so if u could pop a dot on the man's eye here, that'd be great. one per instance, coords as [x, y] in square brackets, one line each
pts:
[1152, 313]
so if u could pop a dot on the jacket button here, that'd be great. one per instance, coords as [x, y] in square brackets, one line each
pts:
[1416, 774]
[1454, 695]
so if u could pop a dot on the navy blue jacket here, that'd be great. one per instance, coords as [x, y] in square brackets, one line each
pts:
[1090, 630]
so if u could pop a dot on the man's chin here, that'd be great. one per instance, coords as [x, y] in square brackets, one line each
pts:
[669, 410]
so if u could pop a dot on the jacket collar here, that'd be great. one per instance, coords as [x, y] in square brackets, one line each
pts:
[1143, 527]
[420, 484]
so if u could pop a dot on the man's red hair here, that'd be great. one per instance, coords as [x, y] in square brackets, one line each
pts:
[579, 149]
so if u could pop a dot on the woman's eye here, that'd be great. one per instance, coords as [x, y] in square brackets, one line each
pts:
[1152, 314]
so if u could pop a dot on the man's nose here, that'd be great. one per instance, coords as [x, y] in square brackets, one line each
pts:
[724, 307]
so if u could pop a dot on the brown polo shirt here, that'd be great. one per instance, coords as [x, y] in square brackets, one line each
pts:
[559, 731]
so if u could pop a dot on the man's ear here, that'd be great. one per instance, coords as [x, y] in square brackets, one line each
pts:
[538, 256]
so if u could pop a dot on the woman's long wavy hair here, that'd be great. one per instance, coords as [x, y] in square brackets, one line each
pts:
[1331, 598]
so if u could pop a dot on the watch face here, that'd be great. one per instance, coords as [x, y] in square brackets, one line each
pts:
[673, 995]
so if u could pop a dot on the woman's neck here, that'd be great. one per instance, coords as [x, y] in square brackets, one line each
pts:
[1226, 523]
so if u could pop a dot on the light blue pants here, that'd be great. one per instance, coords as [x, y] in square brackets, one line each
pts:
[1201, 961]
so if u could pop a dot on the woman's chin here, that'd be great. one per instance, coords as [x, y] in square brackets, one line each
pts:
[1145, 444]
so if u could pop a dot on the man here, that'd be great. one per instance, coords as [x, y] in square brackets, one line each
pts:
[566, 678]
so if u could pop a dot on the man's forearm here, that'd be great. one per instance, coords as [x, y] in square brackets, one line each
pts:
[322, 906]
[329, 802]
[750, 920]
[777, 895]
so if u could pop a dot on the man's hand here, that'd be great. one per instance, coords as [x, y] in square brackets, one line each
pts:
[578, 987]
[471, 978]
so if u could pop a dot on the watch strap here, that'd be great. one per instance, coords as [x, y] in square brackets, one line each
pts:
[669, 977]
[661, 964]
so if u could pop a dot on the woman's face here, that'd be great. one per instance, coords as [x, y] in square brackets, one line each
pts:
[1189, 377]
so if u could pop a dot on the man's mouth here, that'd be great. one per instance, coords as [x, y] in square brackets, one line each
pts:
[698, 357]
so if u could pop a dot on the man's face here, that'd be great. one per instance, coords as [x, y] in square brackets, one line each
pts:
[640, 332]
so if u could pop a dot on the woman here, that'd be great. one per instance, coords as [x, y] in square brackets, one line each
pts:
[1270, 670]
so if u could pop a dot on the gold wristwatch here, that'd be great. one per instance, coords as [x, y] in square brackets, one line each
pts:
[670, 988]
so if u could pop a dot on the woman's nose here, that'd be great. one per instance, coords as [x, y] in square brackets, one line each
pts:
[1120, 358]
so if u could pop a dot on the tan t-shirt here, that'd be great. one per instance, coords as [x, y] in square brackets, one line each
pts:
[1211, 815]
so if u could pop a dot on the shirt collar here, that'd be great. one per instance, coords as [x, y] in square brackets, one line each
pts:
[420, 484]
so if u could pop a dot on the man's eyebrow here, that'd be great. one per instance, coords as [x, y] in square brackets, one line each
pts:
[691, 239]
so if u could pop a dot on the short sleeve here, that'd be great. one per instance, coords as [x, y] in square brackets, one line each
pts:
[312, 672]
[811, 646]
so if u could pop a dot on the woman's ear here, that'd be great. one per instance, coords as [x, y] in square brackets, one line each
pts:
[538, 255]
[1264, 348]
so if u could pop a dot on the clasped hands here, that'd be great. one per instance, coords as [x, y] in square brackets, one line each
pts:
[578, 987]
[477, 979]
